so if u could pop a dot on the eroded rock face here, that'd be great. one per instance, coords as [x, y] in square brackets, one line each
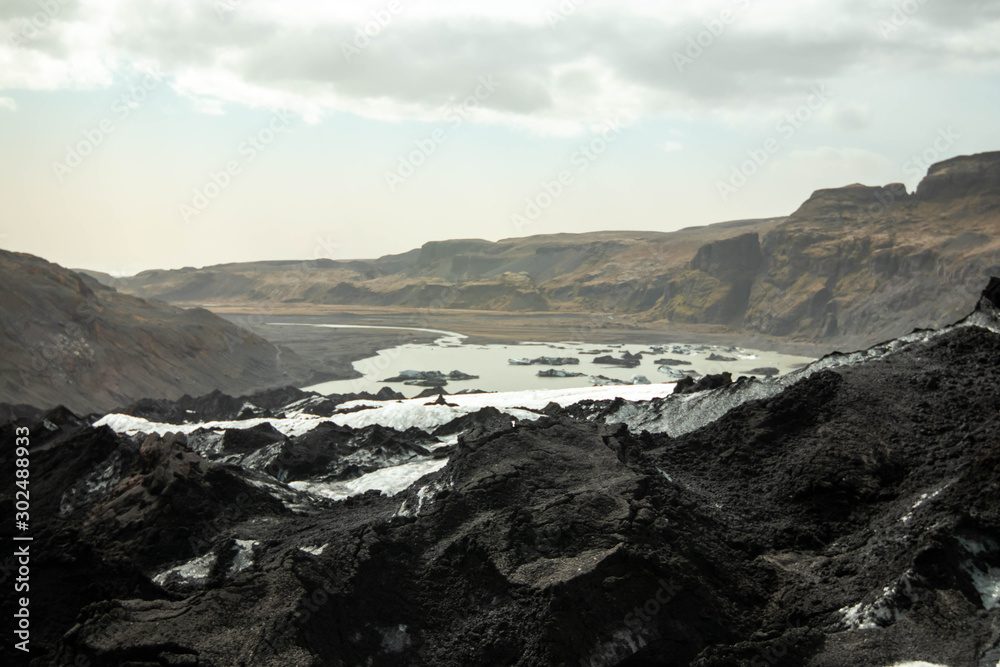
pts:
[962, 176]
[848, 517]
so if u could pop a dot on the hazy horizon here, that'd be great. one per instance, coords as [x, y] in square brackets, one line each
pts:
[168, 134]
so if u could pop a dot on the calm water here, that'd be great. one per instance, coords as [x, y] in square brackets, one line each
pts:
[490, 363]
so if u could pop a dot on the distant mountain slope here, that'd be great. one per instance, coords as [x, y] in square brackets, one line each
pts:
[65, 338]
[851, 266]
[538, 273]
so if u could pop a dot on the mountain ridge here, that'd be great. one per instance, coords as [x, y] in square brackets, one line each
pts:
[67, 339]
[850, 266]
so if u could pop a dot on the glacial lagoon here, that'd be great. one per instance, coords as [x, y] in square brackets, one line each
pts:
[492, 363]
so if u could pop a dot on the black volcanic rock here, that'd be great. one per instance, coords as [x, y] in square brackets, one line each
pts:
[846, 517]
[558, 373]
[627, 360]
[990, 298]
[333, 452]
[689, 385]
[671, 362]
[545, 361]
[244, 441]
[477, 424]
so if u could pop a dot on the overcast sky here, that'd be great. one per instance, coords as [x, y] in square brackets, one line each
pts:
[160, 134]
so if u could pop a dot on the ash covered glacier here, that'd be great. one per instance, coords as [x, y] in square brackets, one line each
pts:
[844, 514]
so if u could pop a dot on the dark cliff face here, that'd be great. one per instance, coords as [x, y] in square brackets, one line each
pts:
[734, 263]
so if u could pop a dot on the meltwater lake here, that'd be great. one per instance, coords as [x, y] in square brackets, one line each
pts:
[491, 363]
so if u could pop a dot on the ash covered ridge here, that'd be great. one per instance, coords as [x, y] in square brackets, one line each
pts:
[846, 513]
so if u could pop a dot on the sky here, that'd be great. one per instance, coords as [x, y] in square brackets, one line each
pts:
[170, 133]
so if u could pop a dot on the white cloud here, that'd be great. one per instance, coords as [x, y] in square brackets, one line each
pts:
[8, 103]
[605, 59]
[671, 146]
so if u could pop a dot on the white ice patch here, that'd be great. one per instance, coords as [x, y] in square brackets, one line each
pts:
[424, 494]
[882, 611]
[918, 663]
[395, 639]
[987, 584]
[131, 425]
[313, 551]
[389, 481]
[194, 571]
[244, 556]
[401, 415]
[986, 578]
[924, 497]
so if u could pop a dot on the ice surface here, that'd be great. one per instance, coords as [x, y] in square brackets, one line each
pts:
[389, 481]
[406, 413]
[194, 571]
[885, 609]
[314, 551]
[244, 556]
[987, 584]
[924, 497]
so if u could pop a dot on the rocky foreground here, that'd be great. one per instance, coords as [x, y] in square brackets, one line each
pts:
[844, 514]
